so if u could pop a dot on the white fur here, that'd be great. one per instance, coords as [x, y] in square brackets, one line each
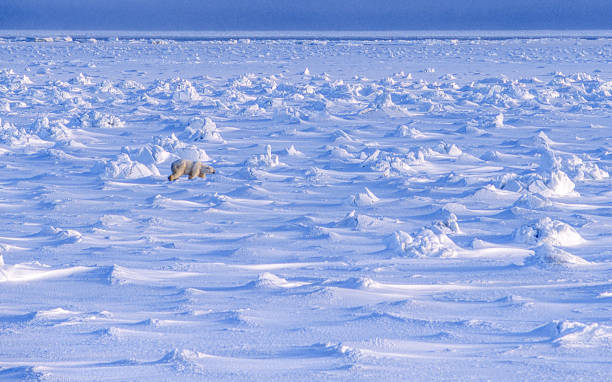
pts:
[192, 168]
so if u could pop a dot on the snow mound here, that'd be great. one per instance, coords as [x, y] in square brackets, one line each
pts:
[448, 222]
[149, 154]
[82, 79]
[341, 136]
[53, 314]
[359, 221]
[98, 119]
[125, 168]
[287, 114]
[184, 361]
[62, 236]
[450, 149]
[20, 138]
[364, 199]
[549, 161]
[546, 254]
[113, 221]
[581, 170]
[107, 87]
[205, 130]
[548, 184]
[393, 164]
[356, 283]
[268, 280]
[183, 91]
[265, 160]
[26, 272]
[560, 185]
[181, 149]
[573, 334]
[428, 242]
[509, 182]
[410, 132]
[492, 195]
[498, 121]
[340, 154]
[548, 231]
[399, 242]
[338, 350]
[532, 202]
[292, 151]
[492, 156]
[52, 131]
[10, 82]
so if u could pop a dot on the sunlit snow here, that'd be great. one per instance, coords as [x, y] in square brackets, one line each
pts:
[398, 209]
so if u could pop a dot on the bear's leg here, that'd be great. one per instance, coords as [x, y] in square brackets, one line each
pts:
[177, 171]
[176, 174]
[195, 170]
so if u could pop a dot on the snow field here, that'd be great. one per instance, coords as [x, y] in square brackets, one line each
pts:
[404, 210]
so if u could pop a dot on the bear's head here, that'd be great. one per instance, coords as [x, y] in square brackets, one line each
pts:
[206, 170]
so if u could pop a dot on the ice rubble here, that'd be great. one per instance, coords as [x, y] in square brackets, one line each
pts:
[574, 334]
[548, 231]
[20, 138]
[546, 254]
[125, 168]
[52, 131]
[265, 160]
[181, 149]
[292, 151]
[429, 241]
[364, 199]
[150, 154]
[346, 154]
[141, 162]
[199, 129]
[97, 119]
[178, 90]
[410, 132]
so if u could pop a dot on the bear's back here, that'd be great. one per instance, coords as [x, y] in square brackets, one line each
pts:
[186, 164]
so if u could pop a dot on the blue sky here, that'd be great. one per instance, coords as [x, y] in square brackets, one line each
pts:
[305, 14]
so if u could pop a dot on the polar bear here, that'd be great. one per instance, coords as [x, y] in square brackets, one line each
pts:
[192, 168]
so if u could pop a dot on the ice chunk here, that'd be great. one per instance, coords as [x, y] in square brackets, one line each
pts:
[292, 151]
[181, 149]
[124, 168]
[576, 334]
[498, 122]
[561, 185]
[184, 91]
[365, 199]
[428, 242]
[98, 119]
[267, 160]
[546, 254]
[149, 154]
[200, 129]
[548, 231]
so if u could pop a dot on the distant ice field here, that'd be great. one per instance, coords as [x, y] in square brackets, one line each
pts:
[394, 206]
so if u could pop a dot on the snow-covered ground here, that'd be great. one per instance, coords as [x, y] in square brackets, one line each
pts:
[406, 209]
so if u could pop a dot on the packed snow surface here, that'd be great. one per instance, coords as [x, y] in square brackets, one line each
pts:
[414, 209]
